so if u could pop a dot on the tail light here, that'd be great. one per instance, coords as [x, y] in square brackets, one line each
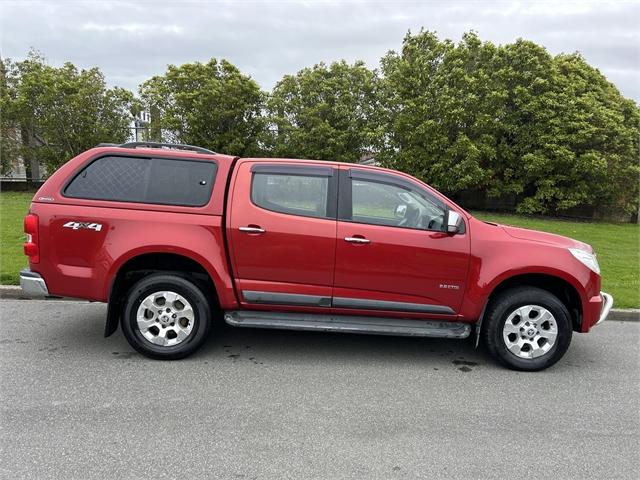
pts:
[31, 246]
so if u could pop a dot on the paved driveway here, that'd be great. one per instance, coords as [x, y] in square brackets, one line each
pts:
[278, 405]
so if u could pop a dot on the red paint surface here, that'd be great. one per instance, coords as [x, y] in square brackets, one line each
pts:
[295, 254]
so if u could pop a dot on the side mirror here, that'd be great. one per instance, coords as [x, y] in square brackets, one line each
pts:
[454, 222]
[401, 211]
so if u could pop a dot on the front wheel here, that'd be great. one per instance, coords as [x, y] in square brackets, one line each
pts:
[527, 328]
[166, 317]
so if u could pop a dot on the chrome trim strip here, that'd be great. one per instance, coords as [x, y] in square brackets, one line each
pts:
[274, 298]
[356, 240]
[33, 284]
[252, 229]
[363, 304]
[607, 303]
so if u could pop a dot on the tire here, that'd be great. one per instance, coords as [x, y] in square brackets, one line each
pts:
[519, 329]
[166, 317]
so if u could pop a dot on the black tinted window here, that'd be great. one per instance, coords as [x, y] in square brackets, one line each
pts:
[145, 180]
[292, 194]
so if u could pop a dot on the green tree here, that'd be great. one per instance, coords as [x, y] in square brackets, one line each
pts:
[567, 137]
[325, 112]
[61, 112]
[510, 120]
[9, 137]
[523, 73]
[587, 149]
[441, 108]
[211, 105]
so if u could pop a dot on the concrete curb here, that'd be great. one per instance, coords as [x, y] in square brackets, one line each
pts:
[624, 314]
[10, 292]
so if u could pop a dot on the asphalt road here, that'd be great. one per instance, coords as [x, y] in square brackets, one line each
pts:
[278, 405]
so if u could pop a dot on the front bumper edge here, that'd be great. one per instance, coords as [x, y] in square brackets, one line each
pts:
[607, 303]
[33, 284]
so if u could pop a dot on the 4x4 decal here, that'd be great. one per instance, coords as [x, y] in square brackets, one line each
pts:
[88, 225]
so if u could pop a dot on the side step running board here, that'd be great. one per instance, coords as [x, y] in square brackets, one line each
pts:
[348, 324]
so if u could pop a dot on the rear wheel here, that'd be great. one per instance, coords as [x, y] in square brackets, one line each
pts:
[527, 328]
[166, 317]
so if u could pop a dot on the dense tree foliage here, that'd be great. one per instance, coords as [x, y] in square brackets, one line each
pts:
[325, 112]
[50, 114]
[211, 104]
[437, 97]
[510, 120]
[9, 139]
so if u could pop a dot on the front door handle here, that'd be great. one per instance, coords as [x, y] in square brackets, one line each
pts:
[356, 240]
[252, 229]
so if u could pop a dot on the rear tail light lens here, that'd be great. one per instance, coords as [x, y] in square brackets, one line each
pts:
[31, 246]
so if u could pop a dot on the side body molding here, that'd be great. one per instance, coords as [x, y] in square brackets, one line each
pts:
[271, 298]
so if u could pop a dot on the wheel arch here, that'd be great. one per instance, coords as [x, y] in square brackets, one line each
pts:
[564, 290]
[129, 270]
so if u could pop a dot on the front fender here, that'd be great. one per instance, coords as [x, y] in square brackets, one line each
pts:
[497, 257]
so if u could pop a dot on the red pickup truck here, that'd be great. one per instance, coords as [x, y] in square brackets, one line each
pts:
[174, 237]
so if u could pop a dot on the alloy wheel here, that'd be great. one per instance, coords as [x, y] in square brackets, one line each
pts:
[165, 318]
[530, 331]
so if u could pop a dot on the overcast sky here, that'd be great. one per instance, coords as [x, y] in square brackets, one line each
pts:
[131, 41]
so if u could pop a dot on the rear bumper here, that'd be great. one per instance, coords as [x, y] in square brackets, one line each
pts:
[607, 303]
[33, 284]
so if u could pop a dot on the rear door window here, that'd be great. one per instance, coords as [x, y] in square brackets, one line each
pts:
[145, 180]
[304, 191]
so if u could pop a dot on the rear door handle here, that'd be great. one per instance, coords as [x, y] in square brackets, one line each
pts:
[356, 240]
[252, 229]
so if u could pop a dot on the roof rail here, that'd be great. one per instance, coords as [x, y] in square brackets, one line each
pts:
[176, 146]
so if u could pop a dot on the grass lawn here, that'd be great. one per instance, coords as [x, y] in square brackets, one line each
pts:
[13, 208]
[617, 245]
